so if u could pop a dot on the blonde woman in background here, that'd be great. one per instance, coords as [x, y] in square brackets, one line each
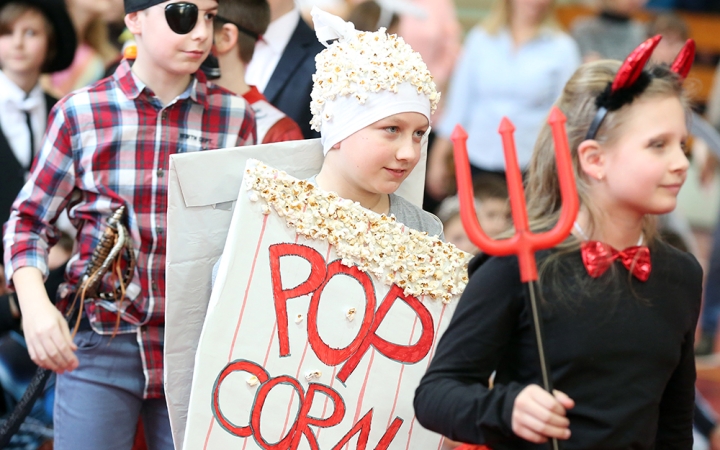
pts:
[95, 51]
[514, 64]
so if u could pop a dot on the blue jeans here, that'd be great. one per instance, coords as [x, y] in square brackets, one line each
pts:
[97, 405]
[711, 307]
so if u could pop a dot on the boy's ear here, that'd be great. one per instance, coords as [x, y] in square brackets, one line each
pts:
[226, 39]
[132, 22]
[592, 159]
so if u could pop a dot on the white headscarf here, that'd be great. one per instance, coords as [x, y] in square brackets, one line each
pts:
[364, 77]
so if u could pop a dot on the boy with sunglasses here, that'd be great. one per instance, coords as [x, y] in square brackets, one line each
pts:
[239, 24]
[108, 146]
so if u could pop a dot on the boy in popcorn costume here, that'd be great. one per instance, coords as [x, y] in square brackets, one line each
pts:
[371, 102]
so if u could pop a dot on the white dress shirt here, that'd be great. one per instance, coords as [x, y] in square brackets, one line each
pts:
[270, 48]
[13, 105]
[494, 79]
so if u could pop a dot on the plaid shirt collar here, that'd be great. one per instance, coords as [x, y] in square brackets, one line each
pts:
[132, 86]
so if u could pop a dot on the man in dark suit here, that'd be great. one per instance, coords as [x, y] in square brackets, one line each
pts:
[284, 62]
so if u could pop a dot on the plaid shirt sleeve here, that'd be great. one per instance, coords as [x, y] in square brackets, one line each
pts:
[30, 230]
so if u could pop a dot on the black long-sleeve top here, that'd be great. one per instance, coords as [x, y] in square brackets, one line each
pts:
[622, 349]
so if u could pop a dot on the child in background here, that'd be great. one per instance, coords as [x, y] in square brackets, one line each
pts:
[449, 213]
[238, 26]
[491, 206]
[36, 36]
[619, 324]
[494, 212]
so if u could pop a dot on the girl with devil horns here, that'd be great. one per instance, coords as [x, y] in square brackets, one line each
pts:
[619, 324]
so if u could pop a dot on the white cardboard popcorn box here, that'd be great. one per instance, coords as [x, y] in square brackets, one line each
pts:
[337, 363]
[323, 319]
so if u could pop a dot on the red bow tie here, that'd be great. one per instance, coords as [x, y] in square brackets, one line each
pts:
[598, 257]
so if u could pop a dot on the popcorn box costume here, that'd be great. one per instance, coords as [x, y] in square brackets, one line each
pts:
[317, 295]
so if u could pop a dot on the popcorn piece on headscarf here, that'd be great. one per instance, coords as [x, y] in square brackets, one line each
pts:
[361, 63]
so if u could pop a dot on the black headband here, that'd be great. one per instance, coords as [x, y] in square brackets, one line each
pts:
[632, 79]
[612, 101]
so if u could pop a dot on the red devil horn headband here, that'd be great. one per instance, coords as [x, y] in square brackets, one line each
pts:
[684, 60]
[634, 64]
[631, 79]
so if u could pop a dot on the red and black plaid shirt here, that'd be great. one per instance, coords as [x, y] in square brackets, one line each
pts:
[111, 144]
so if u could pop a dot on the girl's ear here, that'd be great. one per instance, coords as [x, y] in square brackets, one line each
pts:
[592, 159]
[226, 39]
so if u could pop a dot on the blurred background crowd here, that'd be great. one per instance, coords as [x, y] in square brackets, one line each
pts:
[490, 58]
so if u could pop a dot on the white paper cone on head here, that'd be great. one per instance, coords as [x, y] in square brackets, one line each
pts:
[202, 191]
[329, 27]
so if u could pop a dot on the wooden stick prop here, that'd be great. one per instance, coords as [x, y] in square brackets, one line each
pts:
[524, 243]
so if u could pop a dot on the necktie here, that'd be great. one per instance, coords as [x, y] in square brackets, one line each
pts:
[28, 121]
[27, 106]
[598, 256]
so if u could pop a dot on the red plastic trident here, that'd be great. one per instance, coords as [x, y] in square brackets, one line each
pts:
[524, 242]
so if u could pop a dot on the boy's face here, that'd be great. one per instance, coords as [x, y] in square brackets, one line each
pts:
[23, 50]
[378, 158]
[177, 54]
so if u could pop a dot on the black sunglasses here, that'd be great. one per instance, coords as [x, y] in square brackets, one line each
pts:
[240, 28]
[181, 17]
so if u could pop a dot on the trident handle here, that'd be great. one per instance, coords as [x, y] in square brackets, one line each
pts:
[524, 243]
